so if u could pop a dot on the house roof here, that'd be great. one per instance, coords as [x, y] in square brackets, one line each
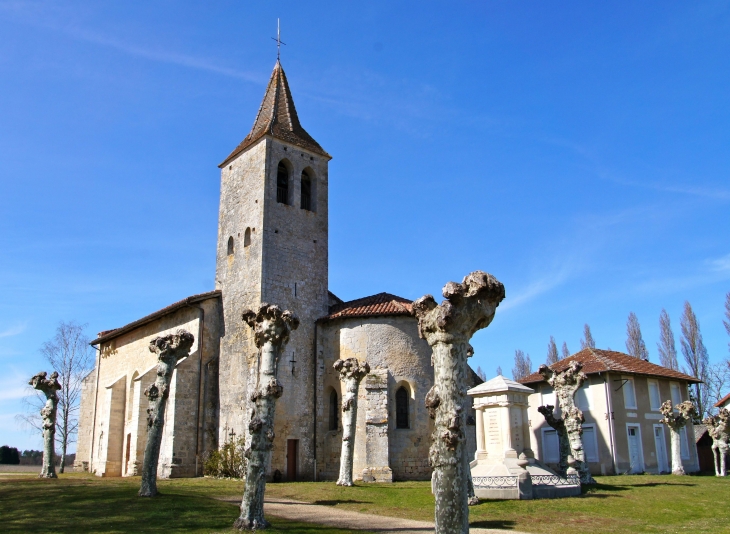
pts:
[380, 304]
[699, 432]
[278, 118]
[599, 361]
[722, 401]
[108, 335]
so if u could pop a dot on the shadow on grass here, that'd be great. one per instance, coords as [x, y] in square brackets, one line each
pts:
[340, 501]
[498, 524]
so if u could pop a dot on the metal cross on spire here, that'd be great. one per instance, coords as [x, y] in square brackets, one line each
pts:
[278, 40]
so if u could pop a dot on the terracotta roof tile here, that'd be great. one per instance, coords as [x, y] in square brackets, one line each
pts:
[598, 361]
[380, 304]
[107, 335]
[278, 117]
[722, 400]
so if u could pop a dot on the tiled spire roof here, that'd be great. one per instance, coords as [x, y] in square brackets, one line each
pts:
[278, 118]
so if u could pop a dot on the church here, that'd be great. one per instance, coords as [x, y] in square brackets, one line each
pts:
[272, 247]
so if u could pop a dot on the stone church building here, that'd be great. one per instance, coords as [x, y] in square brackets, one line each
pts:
[272, 247]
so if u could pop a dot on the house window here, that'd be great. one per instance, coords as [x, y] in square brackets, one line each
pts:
[247, 237]
[282, 184]
[334, 410]
[550, 446]
[306, 200]
[583, 397]
[230, 246]
[548, 399]
[629, 393]
[676, 393]
[684, 453]
[590, 444]
[655, 399]
[401, 408]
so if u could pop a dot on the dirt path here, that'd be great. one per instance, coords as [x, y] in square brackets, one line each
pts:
[337, 518]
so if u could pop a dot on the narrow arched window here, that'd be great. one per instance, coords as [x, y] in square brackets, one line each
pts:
[334, 410]
[282, 184]
[401, 408]
[247, 237]
[306, 203]
[230, 246]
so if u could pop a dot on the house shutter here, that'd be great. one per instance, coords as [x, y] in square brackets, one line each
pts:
[676, 394]
[589, 443]
[583, 397]
[551, 446]
[654, 397]
[629, 394]
[684, 443]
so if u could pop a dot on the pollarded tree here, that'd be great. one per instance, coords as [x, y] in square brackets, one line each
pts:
[448, 327]
[271, 327]
[695, 355]
[563, 442]
[552, 353]
[667, 348]
[587, 342]
[169, 349]
[351, 373]
[718, 426]
[523, 365]
[49, 387]
[675, 421]
[635, 345]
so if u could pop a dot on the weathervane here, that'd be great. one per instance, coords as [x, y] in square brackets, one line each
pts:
[278, 40]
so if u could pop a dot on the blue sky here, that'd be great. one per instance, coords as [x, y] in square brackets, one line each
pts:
[577, 151]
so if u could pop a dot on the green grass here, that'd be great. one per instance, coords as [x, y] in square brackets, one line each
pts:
[77, 503]
[622, 504]
[642, 503]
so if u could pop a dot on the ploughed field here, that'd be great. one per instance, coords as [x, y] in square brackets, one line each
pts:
[83, 503]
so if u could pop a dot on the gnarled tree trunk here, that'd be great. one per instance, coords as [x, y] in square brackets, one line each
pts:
[169, 349]
[565, 383]
[718, 426]
[271, 328]
[469, 306]
[351, 373]
[50, 388]
[563, 442]
[675, 422]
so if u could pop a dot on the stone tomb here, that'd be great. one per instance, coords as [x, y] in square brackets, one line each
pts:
[504, 465]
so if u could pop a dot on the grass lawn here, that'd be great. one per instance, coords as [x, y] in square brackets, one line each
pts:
[83, 503]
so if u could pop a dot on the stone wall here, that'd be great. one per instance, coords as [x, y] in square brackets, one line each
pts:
[112, 421]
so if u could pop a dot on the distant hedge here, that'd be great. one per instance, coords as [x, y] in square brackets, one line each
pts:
[9, 455]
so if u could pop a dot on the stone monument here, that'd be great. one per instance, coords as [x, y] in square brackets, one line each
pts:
[504, 466]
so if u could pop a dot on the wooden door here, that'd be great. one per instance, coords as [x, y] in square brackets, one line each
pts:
[292, 446]
[126, 457]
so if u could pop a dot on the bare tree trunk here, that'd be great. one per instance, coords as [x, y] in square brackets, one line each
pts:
[469, 306]
[351, 373]
[169, 349]
[472, 499]
[64, 439]
[271, 334]
[675, 422]
[50, 388]
[566, 383]
[563, 441]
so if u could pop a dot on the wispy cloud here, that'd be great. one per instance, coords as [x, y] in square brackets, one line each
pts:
[720, 264]
[537, 287]
[38, 14]
[13, 330]
[13, 393]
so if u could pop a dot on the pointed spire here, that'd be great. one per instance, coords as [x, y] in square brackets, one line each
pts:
[278, 118]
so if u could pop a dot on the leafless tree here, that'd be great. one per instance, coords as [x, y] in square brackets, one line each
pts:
[718, 382]
[666, 346]
[587, 341]
[70, 355]
[695, 355]
[552, 353]
[635, 345]
[481, 374]
[499, 370]
[523, 365]
[726, 322]
[565, 352]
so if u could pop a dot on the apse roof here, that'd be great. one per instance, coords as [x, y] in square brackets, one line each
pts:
[380, 304]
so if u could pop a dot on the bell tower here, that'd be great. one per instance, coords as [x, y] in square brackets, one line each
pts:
[272, 247]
